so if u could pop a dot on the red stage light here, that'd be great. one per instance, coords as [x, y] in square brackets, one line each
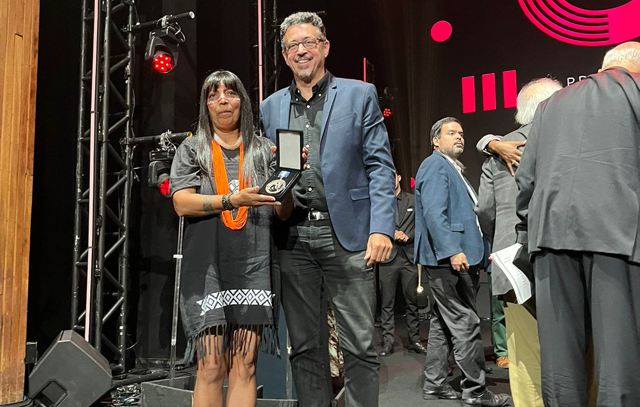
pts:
[165, 187]
[162, 62]
[386, 112]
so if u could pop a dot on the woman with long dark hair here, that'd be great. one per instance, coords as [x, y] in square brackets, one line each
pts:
[226, 297]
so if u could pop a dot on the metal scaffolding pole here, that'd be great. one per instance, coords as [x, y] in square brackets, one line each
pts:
[104, 176]
[79, 252]
[271, 50]
[266, 57]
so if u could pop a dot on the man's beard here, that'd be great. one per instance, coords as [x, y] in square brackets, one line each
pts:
[455, 157]
[305, 77]
[453, 153]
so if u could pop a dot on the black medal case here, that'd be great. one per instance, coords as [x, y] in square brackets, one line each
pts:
[289, 164]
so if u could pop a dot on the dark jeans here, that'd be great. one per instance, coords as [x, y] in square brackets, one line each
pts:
[454, 323]
[400, 268]
[582, 299]
[316, 269]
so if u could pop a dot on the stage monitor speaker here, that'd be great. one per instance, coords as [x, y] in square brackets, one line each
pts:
[71, 373]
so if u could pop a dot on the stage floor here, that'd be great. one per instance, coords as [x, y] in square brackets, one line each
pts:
[401, 372]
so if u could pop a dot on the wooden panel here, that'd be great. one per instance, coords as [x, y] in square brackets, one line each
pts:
[18, 68]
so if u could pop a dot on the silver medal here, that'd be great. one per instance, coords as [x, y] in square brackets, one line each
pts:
[276, 186]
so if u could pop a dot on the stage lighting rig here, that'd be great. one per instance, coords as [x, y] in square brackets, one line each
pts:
[159, 169]
[162, 48]
[387, 100]
[160, 159]
[164, 41]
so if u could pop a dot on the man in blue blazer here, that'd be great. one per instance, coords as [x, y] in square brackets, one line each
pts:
[343, 216]
[449, 244]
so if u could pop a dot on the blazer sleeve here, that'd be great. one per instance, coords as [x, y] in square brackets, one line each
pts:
[483, 143]
[378, 166]
[525, 177]
[264, 121]
[486, 208]
[435, 210]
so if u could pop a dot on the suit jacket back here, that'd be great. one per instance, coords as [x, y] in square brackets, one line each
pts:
[580, 173]
[497, 198]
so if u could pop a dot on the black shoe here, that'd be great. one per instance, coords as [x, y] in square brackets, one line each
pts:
[488, 399]
[387, 349]
[445, 392]
[416, 347]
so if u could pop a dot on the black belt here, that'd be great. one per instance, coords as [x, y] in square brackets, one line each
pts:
[313, 215]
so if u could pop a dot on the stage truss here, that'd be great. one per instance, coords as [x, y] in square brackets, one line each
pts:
[104, 177]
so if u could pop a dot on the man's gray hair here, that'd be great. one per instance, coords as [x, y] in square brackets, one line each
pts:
[622, 55]
[436, 129]
[531, 95]
[302, 17]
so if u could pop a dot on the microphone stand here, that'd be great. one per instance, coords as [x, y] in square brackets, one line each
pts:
[176, 302]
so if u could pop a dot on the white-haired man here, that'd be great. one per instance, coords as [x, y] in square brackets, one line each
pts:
[579, 201]
[496, 211]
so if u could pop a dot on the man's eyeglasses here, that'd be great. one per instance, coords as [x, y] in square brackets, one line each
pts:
[214, 97]
[307, 43]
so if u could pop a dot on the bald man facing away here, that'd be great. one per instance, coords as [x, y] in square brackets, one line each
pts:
[579, 212]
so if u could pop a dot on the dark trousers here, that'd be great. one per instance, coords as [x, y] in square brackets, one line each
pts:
[400, 268]
[582, 299]
[454, 323]
[316, 269]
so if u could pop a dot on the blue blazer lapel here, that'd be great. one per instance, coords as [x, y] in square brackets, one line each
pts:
[285, 107]
[461, 179]
[446, 160]
[328, 105]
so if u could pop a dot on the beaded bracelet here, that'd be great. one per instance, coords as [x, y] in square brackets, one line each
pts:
[226, 202]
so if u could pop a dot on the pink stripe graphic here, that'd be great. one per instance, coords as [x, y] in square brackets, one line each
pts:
[545, 21]
[364, 69]
[488, 91]
[580, 10]
[468, 94]
[591, 19]
[509, 88]
[559, 18]
[563, 21]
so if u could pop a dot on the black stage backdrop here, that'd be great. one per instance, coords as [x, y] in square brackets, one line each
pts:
[422, 77]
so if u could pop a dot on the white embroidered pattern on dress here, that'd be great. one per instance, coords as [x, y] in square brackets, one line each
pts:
[234, 297]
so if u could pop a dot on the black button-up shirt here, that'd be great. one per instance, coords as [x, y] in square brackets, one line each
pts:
[306, 115]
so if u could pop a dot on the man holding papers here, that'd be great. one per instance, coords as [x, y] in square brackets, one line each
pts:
[497, 216]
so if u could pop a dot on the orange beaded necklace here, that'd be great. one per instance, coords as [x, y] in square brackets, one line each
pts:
[222, 186]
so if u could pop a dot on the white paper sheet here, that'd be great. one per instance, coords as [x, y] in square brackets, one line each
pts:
[502, 262]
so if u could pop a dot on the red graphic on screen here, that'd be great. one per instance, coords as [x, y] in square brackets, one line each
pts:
[489, 94]
[579, 26]
[441, 31]
[509, 89]
[488, 91]
[468, 94]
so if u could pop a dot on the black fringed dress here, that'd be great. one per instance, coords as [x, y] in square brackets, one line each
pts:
[226, 274]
